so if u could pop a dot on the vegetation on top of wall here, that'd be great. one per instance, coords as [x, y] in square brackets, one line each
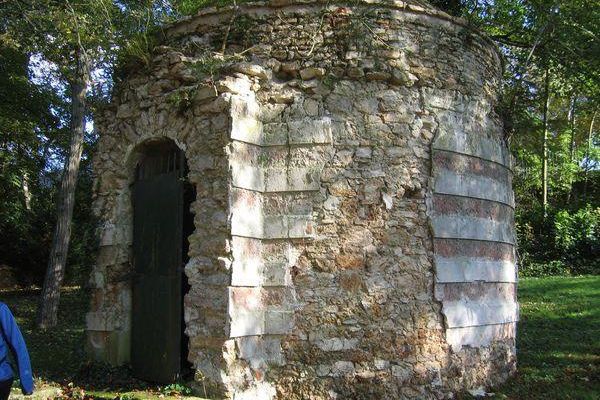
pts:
[190, 7]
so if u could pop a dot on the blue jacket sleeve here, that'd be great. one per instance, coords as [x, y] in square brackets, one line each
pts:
[17, 344]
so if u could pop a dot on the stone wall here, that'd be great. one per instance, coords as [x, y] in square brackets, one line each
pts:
[354, 221]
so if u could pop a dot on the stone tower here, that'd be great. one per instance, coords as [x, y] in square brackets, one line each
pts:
[353, 220]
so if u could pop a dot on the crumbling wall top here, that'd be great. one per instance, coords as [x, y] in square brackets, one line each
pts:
[215, 14]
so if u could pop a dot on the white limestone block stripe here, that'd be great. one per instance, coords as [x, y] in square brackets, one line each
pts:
[248, 129]
[257, 264]
[249, 224]
[258, 319]
[274, 134]
[466, 227]
[259, 226]
[470, 313]
[275, 227]
[470, 185]
[247, 272]
[246, 312]
[260, 349]
[480, 292]
[471, 269]
[257, 272]
[245, 125]
[246, 323]
[275, 180]
[474, 145]
[304, 179]
[479, 336]
[247, 177]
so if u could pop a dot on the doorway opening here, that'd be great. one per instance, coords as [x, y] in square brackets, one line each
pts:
[162, 222]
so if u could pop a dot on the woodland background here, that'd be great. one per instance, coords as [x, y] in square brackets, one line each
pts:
[61, 58]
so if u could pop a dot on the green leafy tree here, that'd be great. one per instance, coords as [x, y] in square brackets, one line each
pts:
[76, 37]
[550, 104]
[28, 130]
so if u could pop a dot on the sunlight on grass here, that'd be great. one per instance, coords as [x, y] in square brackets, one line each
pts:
[558, 346]
[558, 341]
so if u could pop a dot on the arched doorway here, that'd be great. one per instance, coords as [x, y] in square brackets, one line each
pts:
[161, 225]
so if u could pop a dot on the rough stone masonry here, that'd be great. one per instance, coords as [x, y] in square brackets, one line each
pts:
[354, 221]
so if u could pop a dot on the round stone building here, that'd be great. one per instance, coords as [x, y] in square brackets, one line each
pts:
[308, 200]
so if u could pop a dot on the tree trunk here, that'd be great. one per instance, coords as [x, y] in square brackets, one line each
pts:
[587, 155]
[26, 191]
[572, 110]
[545, 145]
[48, 307]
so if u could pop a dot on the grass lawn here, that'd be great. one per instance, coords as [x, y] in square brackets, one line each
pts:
[558, 346]
[558, 340]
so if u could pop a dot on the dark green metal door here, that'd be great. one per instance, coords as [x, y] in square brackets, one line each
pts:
[157, 257]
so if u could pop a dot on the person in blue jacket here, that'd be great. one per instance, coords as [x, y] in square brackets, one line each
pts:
[12, 339]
